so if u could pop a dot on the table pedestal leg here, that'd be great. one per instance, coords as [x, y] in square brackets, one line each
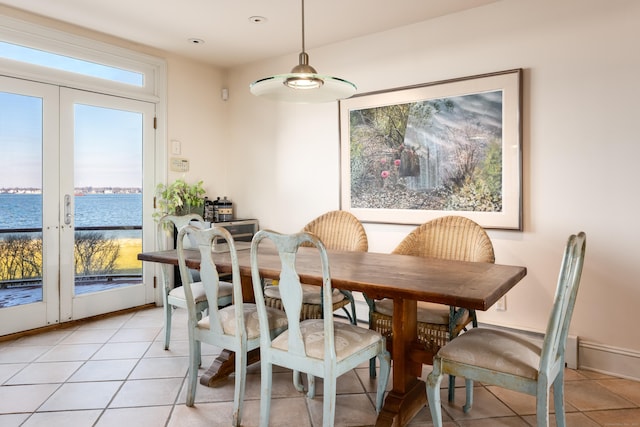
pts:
[408, 395]
[224, 365]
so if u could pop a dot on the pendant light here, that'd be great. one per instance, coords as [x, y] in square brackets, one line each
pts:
[303, 84]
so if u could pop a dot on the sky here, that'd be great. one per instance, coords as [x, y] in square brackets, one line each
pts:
[108, 142]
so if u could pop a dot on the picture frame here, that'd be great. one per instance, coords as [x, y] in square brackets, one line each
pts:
[453, 147]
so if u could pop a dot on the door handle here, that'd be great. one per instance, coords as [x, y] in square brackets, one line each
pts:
[67, 209]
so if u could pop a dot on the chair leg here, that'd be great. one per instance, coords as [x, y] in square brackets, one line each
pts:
[238, 394]
[194, 363]
[329, 402]
[433, 393]
[469, 395]
[265, 393]
[297, 381]
[385, 368]
[167, 324]
[452, 388]
[372, 367]
[311, 392]
[542, 403]
[558, 399]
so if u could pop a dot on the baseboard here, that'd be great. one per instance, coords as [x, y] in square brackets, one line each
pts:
[609, 360]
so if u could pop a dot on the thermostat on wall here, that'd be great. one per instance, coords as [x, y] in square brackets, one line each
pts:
[179, 164]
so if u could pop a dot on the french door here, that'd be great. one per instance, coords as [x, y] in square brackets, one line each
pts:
[75, 202]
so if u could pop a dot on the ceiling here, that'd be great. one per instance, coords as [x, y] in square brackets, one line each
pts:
[230, 37]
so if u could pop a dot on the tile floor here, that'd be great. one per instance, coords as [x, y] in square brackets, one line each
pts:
[115, 372]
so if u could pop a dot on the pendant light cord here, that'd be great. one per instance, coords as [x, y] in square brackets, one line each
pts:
[303, 26]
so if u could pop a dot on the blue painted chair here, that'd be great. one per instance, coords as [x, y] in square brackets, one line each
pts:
[234, 327]
[318, 347]
[174, 297]
[510, 361]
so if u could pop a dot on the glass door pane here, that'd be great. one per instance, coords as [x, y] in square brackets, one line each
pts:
[28, 283]
[103, 141]
[20, 199]
[108, 198]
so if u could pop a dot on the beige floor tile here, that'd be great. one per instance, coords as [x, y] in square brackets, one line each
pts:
[161, 367]
[48, 338]
[523, 404]
[13, 420]
[176, 348]
[136, 334]
[485, 405]
[626, 388]
[70, 353]
[45, 373]
[121, 350]
[23, 354]
[115, 322]
[351, 410]
[151, 416]
[616, 417]
[24, 398]
[8, 370]
[162, 391]
[575, 419]
[75, 396]
[203, 415]
[590, 396]
[104, 370]
[89, 336]
[63, 418]
[495, 422]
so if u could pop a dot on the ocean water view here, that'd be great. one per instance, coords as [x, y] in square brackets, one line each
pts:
[18, 285]
[19, 211]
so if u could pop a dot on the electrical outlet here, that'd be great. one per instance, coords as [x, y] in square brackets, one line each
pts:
[501, 305]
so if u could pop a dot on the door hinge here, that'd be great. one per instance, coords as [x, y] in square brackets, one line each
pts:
[154, 202]
[155, 123]
[155, 282]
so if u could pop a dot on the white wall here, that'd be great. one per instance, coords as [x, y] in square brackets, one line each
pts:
[581, 146]
[196, 118]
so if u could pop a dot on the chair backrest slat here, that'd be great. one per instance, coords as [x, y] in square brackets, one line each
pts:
[205, 240]
[566, 292]
[291, 288]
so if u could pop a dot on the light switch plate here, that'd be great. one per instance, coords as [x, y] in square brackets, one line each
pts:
[176, 147]
[179, 164]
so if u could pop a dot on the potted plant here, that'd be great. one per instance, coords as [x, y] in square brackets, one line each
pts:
[179, 198]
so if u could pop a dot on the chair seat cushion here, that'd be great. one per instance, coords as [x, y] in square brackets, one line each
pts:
[494, 350]
[428, 312]
[277, 320]
[197, 288]
[349, 339]
[311, 294]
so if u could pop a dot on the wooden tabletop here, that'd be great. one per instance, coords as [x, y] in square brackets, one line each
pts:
[463, 284]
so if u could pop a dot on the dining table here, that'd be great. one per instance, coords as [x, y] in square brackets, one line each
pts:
[404, 278]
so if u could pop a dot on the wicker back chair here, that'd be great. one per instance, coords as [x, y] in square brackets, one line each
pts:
[340, 231]
[450, 237]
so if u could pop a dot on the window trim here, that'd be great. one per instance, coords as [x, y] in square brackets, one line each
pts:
[51, 40]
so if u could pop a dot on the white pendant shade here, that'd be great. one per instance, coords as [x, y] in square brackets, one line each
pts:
[303, 84]
[276, 89]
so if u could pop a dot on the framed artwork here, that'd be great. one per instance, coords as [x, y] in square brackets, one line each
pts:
[453, 147]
